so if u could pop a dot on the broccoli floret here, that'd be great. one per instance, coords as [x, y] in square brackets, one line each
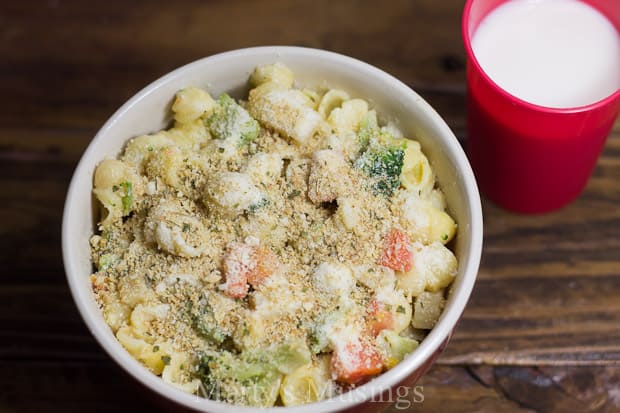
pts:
[252, 377]
[382, 157]
[105, 261]
[383, 164]
[205, 324]
[225, 376]
[231, 121]
[368, 129]
[126, 197]
[127, 200]
[254, 208]
[395, 347]
[289, 356]
[210, 385]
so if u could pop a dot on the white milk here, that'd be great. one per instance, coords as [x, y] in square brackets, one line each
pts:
[554, 53]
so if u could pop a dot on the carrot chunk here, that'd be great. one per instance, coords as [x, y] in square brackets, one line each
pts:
[238, 264]
[397, 253]
[355, 361]
[266, 263]
[245, 264]
[379, 318]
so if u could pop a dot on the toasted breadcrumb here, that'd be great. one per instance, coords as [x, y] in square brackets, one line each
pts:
[191, 240]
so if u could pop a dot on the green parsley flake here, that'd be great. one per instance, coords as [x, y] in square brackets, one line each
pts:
[294, 193]
[127, 199]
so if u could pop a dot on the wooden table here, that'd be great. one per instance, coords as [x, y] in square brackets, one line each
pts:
[542, 330]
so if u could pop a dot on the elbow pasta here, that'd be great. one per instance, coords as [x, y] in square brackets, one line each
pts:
[264, 167]
[191, 103]
[175, 230]
[276, 73]
[308, 384]
[114, 311]
[118, 187]
[274, 251]
[288, 111]
[233, 192]
[348, 116]
[167, 165]
[417, 174]
[330, 101]
[437, 199]
[433, 270]
[189, 136]
[314, 98]
[177, 373]
[427, 309]
[148, 354]
[425, 222]
[351, 214]
[139, 149]
[142, 318]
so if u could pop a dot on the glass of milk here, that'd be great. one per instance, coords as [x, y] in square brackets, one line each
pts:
[543, 80]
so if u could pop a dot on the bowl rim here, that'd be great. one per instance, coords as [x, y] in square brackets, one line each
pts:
[431, 345]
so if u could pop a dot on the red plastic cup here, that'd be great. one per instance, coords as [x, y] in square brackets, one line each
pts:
[530, 158]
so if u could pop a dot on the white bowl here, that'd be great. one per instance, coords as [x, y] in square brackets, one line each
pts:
[148, 111]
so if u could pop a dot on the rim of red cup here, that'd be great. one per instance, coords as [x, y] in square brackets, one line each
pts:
[465, 24]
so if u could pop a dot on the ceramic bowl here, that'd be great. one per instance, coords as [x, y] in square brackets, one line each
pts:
[149, 111]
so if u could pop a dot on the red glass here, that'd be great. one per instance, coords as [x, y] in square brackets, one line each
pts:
[529, 158]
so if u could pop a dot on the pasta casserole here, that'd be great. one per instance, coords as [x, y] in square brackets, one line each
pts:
[281, 250]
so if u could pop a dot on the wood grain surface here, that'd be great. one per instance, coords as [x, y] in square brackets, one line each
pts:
[542, 330]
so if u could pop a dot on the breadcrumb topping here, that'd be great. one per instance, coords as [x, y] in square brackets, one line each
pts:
[243, 239]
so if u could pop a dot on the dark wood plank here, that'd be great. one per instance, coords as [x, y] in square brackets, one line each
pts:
[549, 286]
[66, 62]
[100, 386]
